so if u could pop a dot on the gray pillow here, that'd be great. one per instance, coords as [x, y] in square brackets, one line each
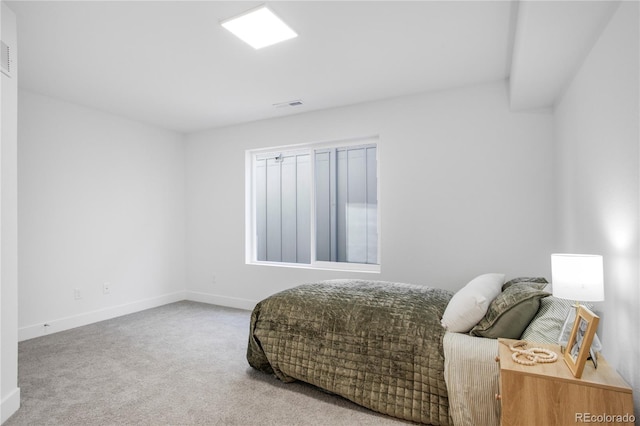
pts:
[510, 313]
[535, 282]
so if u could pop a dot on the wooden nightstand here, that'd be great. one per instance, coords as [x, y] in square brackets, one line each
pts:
[548, 394]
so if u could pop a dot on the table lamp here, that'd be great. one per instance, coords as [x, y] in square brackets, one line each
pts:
[577, 277]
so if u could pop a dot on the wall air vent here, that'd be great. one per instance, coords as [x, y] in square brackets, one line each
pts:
[294, 103]
[5, 59]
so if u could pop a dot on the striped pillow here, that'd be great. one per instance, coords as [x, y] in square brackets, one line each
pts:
[546, 325]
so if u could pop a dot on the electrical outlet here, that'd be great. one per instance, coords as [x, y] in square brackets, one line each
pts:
[77, 294]
[106, 288]
[213, 279]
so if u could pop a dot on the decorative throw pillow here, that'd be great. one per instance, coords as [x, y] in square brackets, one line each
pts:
[546, 325]
[470, 303]
[510, 313]
[535, 282]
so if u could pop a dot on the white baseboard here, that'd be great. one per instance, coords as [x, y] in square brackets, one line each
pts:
[10, 405]
[66, 323]
[215, 299]
[61, 324]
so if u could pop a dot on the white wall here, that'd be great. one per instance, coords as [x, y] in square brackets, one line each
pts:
[101, 199]
[10, 392]
[466, 188]
[597, 132]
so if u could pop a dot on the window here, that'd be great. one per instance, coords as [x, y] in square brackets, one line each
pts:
[314, 206]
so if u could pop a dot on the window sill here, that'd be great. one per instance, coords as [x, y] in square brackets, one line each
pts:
[324, 266]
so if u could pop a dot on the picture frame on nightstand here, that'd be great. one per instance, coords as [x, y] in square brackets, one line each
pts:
[579, 344]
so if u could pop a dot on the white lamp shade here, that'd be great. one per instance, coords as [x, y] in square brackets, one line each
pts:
[577, 277]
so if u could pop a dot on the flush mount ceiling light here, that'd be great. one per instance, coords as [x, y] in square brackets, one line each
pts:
[259, 27]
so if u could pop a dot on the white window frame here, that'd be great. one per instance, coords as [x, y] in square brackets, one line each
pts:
[250, 207]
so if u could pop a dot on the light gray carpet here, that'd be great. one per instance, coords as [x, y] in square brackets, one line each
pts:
[179, 364]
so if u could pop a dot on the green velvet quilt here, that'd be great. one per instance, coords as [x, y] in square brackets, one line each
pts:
[378, 344]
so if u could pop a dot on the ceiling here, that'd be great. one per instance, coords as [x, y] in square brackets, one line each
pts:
[171, 64]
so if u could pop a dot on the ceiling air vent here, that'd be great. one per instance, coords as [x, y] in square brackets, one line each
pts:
[288, 104]
[5, 54]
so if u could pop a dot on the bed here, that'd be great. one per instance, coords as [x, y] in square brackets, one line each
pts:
[380, 345]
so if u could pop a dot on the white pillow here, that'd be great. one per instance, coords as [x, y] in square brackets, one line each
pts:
[468, 306]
